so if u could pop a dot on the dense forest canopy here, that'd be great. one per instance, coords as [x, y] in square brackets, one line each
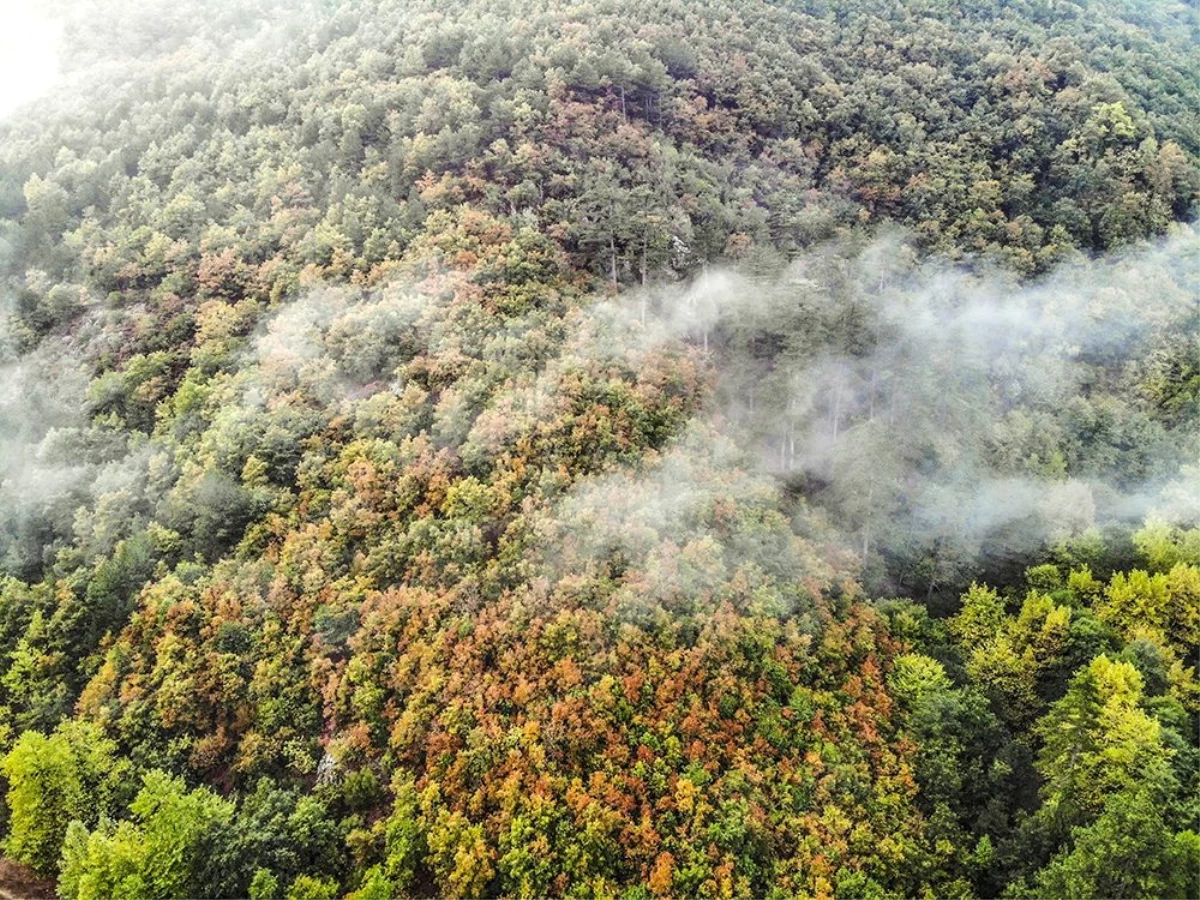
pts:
[672, 449]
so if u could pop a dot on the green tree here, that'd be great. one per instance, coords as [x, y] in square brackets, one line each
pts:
[375, 886]
[306, 887]
[1127, 852]
[1099, 743]
[53, 780]
[160, 853]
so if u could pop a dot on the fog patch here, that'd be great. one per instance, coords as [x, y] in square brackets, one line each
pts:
[30, 54]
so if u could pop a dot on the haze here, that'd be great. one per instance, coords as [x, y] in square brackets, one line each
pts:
[29, 54]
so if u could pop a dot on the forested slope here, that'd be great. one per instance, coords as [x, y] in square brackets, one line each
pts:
[493, 449]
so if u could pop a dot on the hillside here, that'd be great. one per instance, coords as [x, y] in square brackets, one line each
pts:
[670, 449]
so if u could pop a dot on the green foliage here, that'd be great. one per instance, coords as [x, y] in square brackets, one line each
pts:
[158, 854]
[264, 886]
[1127, 852]
[1098, 742]
[306, 887]
[1089, 792]
[980, 618]
[52, 780]
[375, 886]
[107, 862]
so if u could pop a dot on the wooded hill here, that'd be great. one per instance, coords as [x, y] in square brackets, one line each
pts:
[664, 449]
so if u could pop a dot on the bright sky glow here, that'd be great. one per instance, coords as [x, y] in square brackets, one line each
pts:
[29, 53]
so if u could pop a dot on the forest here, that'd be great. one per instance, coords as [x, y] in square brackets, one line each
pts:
[673, 449]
